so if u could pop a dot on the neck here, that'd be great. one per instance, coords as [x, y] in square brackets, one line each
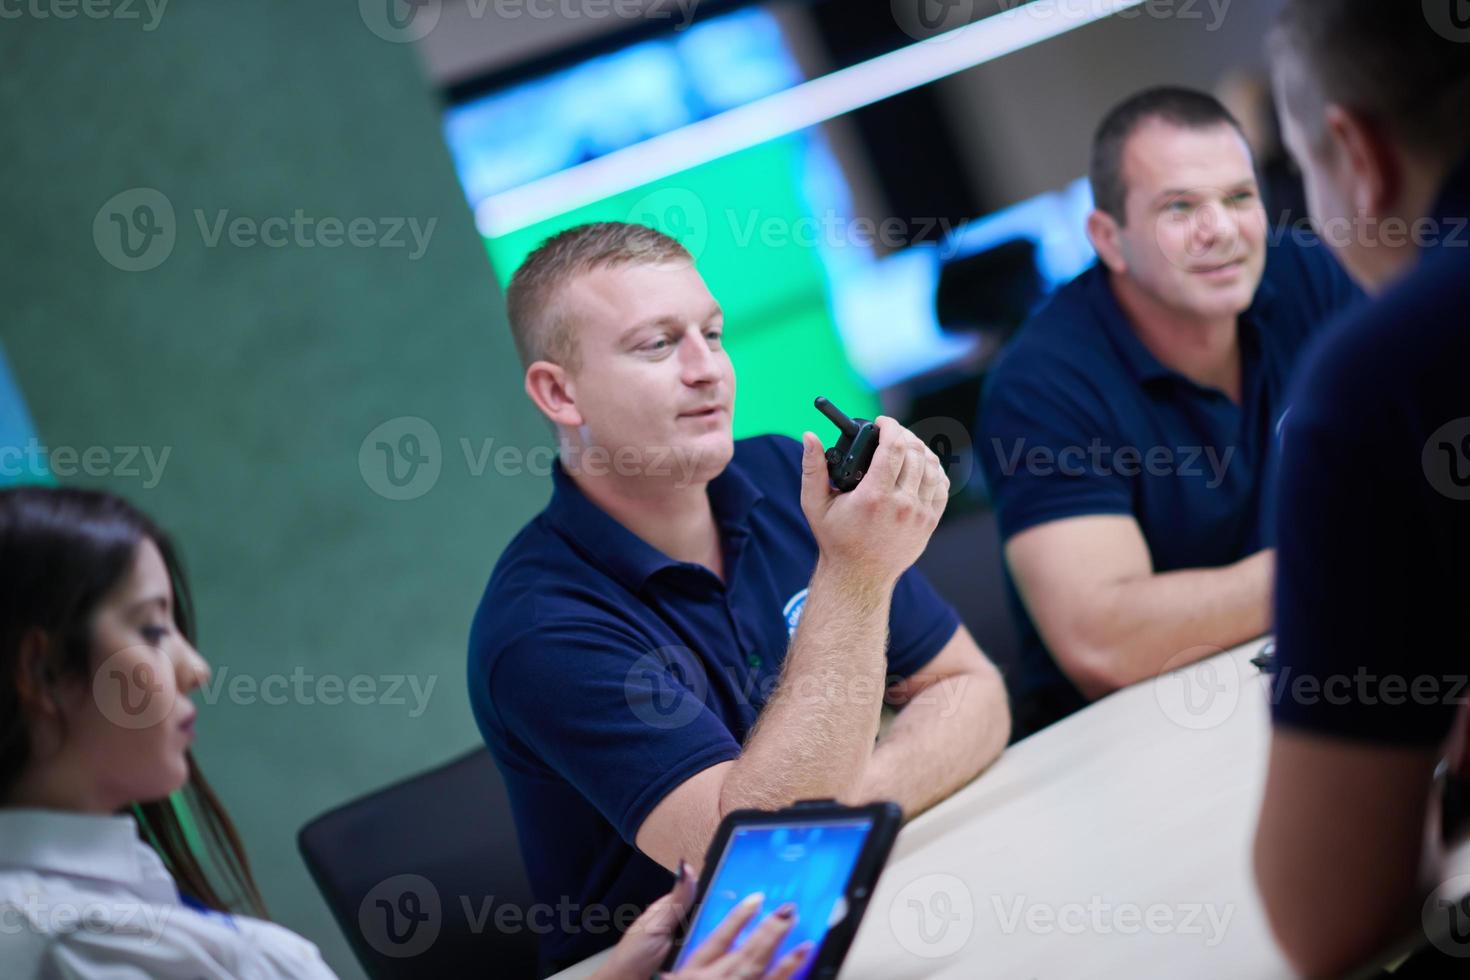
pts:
[47, 788]
[676, 519]
[1391, 260]
[1204, 350]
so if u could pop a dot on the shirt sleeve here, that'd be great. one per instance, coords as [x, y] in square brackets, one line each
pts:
[1038, 426]
[623, 721]
[1357, 653]
[920, 623]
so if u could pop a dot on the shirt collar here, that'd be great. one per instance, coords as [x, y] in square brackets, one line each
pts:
[84, 845]
[1141, 362]
[622, 553]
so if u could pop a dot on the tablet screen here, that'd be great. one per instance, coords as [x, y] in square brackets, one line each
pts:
[809, 864]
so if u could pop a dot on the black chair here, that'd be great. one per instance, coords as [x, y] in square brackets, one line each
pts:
[424, 877]
[963, 563]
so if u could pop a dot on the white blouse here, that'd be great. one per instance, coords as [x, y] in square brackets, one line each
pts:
[82, 897]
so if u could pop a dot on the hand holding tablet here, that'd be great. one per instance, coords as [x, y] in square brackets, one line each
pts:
[815, 864]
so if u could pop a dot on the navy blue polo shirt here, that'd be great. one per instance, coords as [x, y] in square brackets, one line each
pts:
[603, 674]
[1079, 418]
[1373, 536]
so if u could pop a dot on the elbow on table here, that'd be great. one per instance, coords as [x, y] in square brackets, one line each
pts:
[1091, 664]
[1317, 937]
[999, 702]
[1314, 951]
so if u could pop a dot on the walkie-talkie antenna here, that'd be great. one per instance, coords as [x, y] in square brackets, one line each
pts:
[839, 419]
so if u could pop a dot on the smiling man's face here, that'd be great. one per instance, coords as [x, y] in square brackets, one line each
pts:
[1195, 238]
[653, 379]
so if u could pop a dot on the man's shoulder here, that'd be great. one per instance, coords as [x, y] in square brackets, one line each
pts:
[772, 463]
[539, 579]
[1407, 335]
[1064, 335]
[763, 452]
[1305, 280]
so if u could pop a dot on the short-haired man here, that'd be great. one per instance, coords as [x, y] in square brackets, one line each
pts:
[1374, 489]
[695, 625]
[1125, 431]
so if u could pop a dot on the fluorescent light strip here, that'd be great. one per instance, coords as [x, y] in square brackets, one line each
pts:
[788, 112]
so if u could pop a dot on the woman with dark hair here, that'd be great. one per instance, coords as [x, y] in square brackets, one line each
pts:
[116, 858]
[97, 662]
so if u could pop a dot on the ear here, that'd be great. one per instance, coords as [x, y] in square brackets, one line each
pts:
[1103, 232]
[1362, 148]
[553, 391]
[33, 681]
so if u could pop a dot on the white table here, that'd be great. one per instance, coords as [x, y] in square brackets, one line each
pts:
[1115, 843]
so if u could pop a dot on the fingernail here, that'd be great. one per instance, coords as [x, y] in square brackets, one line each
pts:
[682, 872]
[786, 911]
[754, 899]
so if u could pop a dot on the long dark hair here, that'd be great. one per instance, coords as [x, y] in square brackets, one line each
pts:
[61, 551]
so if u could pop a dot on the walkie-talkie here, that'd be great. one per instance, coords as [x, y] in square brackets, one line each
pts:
[850, 458]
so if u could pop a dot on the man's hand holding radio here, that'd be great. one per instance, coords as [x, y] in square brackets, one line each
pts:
[879, 529]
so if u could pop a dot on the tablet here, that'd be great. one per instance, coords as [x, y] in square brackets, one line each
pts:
[820, 855]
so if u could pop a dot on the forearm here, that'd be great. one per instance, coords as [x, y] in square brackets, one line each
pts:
[940, 740]
[1137, 629]
[816, 733]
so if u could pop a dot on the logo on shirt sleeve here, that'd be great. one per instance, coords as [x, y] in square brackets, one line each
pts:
[792, 612]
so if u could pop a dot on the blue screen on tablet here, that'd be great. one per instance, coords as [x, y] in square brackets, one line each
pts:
[809, 864]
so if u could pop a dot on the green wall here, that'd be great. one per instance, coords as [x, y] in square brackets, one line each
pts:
[261, 371]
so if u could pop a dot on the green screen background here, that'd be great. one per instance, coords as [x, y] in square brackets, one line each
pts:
[738, 216]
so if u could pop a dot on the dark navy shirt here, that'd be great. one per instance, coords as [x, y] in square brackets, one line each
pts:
[603, 674]
[1373, 536]
[1079, 418]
